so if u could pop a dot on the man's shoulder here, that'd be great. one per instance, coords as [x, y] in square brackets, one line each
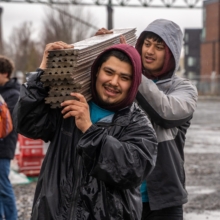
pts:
[139, 117]
[137, 111]
[131, 111]
[12, 85]
[12, 91]
[181, 81]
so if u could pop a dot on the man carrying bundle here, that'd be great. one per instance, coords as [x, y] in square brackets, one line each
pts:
[100, 151]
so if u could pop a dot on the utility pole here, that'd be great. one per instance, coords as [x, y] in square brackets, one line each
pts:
[1, 44]
[110, 15]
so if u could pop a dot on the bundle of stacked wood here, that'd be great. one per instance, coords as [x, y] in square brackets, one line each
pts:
[69, 70]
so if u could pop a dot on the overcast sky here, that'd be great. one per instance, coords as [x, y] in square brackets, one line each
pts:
[14, 14]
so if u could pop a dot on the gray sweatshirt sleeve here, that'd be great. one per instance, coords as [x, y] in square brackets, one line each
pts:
[169, 104]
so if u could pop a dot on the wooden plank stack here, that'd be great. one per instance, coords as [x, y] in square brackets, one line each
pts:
[69, 70]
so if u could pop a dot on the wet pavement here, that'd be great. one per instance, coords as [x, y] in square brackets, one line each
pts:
[202, 162]
[202, 166]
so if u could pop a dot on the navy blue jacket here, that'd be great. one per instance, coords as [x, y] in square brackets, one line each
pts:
[10, 92]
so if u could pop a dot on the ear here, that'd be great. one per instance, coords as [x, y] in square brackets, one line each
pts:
[7, 75]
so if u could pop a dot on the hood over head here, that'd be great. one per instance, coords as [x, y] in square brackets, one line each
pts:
[135, 59]
[170, 33]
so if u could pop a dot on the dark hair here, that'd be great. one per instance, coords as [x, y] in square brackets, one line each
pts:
[115, 53]
[151, 35]
[146, 35]
[6, 66]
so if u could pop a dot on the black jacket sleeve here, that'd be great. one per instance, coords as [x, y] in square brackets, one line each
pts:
[31, 116]
[122, 162]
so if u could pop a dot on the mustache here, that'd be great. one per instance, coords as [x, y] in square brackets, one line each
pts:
[115, 88]
[151, 57]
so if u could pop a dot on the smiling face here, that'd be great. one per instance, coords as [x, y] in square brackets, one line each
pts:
[113, 81]
[153, 55]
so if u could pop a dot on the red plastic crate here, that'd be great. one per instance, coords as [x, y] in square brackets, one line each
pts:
[31, 173]
[27, 147]
[29, 166]
[29, 151]
[24, 141]
[25, 163]
[29, 155]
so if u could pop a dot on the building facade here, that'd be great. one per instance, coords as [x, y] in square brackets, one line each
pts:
[210, 46]
[192, 42]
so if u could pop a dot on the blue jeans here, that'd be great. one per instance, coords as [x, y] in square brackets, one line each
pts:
[7, 198]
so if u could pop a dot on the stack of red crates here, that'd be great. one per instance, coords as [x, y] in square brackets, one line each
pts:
[29, 156]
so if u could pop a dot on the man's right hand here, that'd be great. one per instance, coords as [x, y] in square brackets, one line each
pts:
[123, 39]
[58, 45]
[103, 31]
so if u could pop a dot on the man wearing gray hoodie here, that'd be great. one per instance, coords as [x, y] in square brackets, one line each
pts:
[169, 101]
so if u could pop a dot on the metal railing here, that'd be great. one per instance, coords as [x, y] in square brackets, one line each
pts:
[207, 85]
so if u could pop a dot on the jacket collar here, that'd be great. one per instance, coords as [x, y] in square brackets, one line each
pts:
[122, 117]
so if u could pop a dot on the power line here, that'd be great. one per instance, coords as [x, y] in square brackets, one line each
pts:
[194, 4]
[73, 17]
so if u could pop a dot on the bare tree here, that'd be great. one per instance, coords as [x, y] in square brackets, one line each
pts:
[22, 49]
[67, 23]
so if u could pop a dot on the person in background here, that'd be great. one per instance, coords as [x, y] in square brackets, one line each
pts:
[9, 90]
[100, 150]
[169, 101]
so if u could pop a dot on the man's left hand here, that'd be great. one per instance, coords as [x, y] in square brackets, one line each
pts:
[78, 109]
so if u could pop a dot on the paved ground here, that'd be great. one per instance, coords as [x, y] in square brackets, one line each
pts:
[202, 165]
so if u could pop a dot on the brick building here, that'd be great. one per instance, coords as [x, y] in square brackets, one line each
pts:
[210, 45]
[192, 42]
